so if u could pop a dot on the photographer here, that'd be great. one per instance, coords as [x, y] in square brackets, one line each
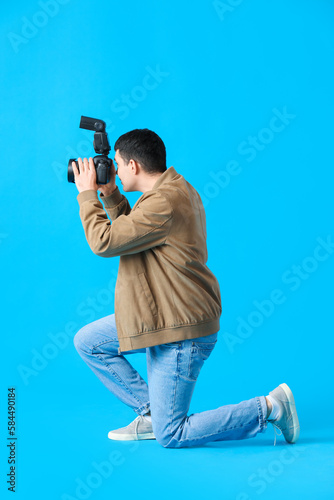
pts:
[167, 303]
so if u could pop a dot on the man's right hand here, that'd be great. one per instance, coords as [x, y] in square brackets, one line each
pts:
[107, 189]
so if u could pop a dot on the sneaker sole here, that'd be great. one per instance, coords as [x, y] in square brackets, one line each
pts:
[295, 421]
[130, 437]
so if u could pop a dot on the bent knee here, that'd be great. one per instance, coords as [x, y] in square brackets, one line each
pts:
[169, 435]
[167, 441]
[164, 438]
[81, 340]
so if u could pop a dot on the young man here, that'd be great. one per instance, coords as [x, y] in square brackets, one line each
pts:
[167, 303]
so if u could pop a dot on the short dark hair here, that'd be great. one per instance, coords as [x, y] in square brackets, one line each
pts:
[145, 147]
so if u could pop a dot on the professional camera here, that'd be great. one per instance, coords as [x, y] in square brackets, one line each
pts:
[101, 146]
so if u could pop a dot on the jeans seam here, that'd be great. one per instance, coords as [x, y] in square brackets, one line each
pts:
[262, 421]
[101, 343]
[213, 434]
[176, 376]
[175, 379]
[190, 365]
[90, 348]
[116, 376]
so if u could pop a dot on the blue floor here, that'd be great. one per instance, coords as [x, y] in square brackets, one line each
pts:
[66, 454]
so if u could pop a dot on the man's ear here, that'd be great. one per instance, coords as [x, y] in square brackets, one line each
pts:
[135, 166]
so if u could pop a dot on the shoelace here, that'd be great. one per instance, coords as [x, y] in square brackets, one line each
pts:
[138, 419]
[275, 426]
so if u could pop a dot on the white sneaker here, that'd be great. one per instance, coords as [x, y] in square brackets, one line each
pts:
[140, 428]
[287, 422]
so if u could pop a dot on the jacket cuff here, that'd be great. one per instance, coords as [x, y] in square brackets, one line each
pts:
[89, 194]
[113, 199]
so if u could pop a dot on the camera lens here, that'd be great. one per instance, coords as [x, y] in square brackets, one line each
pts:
[70, 173]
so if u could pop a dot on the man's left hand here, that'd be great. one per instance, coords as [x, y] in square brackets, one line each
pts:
[86, 178]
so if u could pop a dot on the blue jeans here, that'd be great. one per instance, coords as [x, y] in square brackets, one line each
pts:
[172, 371]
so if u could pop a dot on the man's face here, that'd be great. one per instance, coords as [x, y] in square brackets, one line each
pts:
[122, 170]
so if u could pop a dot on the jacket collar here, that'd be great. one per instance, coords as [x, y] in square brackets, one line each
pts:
[166, 176]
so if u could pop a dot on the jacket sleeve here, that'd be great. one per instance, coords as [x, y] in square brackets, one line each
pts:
[116, 204]
[145, 227]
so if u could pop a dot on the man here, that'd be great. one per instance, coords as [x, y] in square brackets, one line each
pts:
[167, 303]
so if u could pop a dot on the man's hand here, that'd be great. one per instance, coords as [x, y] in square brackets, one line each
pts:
[86, 178]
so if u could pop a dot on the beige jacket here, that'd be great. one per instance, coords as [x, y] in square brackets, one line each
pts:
[164, 291]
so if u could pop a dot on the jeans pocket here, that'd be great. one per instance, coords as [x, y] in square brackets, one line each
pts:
[165, 357]
[170, 345]
[199, 352]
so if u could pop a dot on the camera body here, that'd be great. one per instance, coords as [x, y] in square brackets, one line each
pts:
[101, 146]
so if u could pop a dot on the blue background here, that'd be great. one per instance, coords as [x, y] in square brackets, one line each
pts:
[225, 69]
